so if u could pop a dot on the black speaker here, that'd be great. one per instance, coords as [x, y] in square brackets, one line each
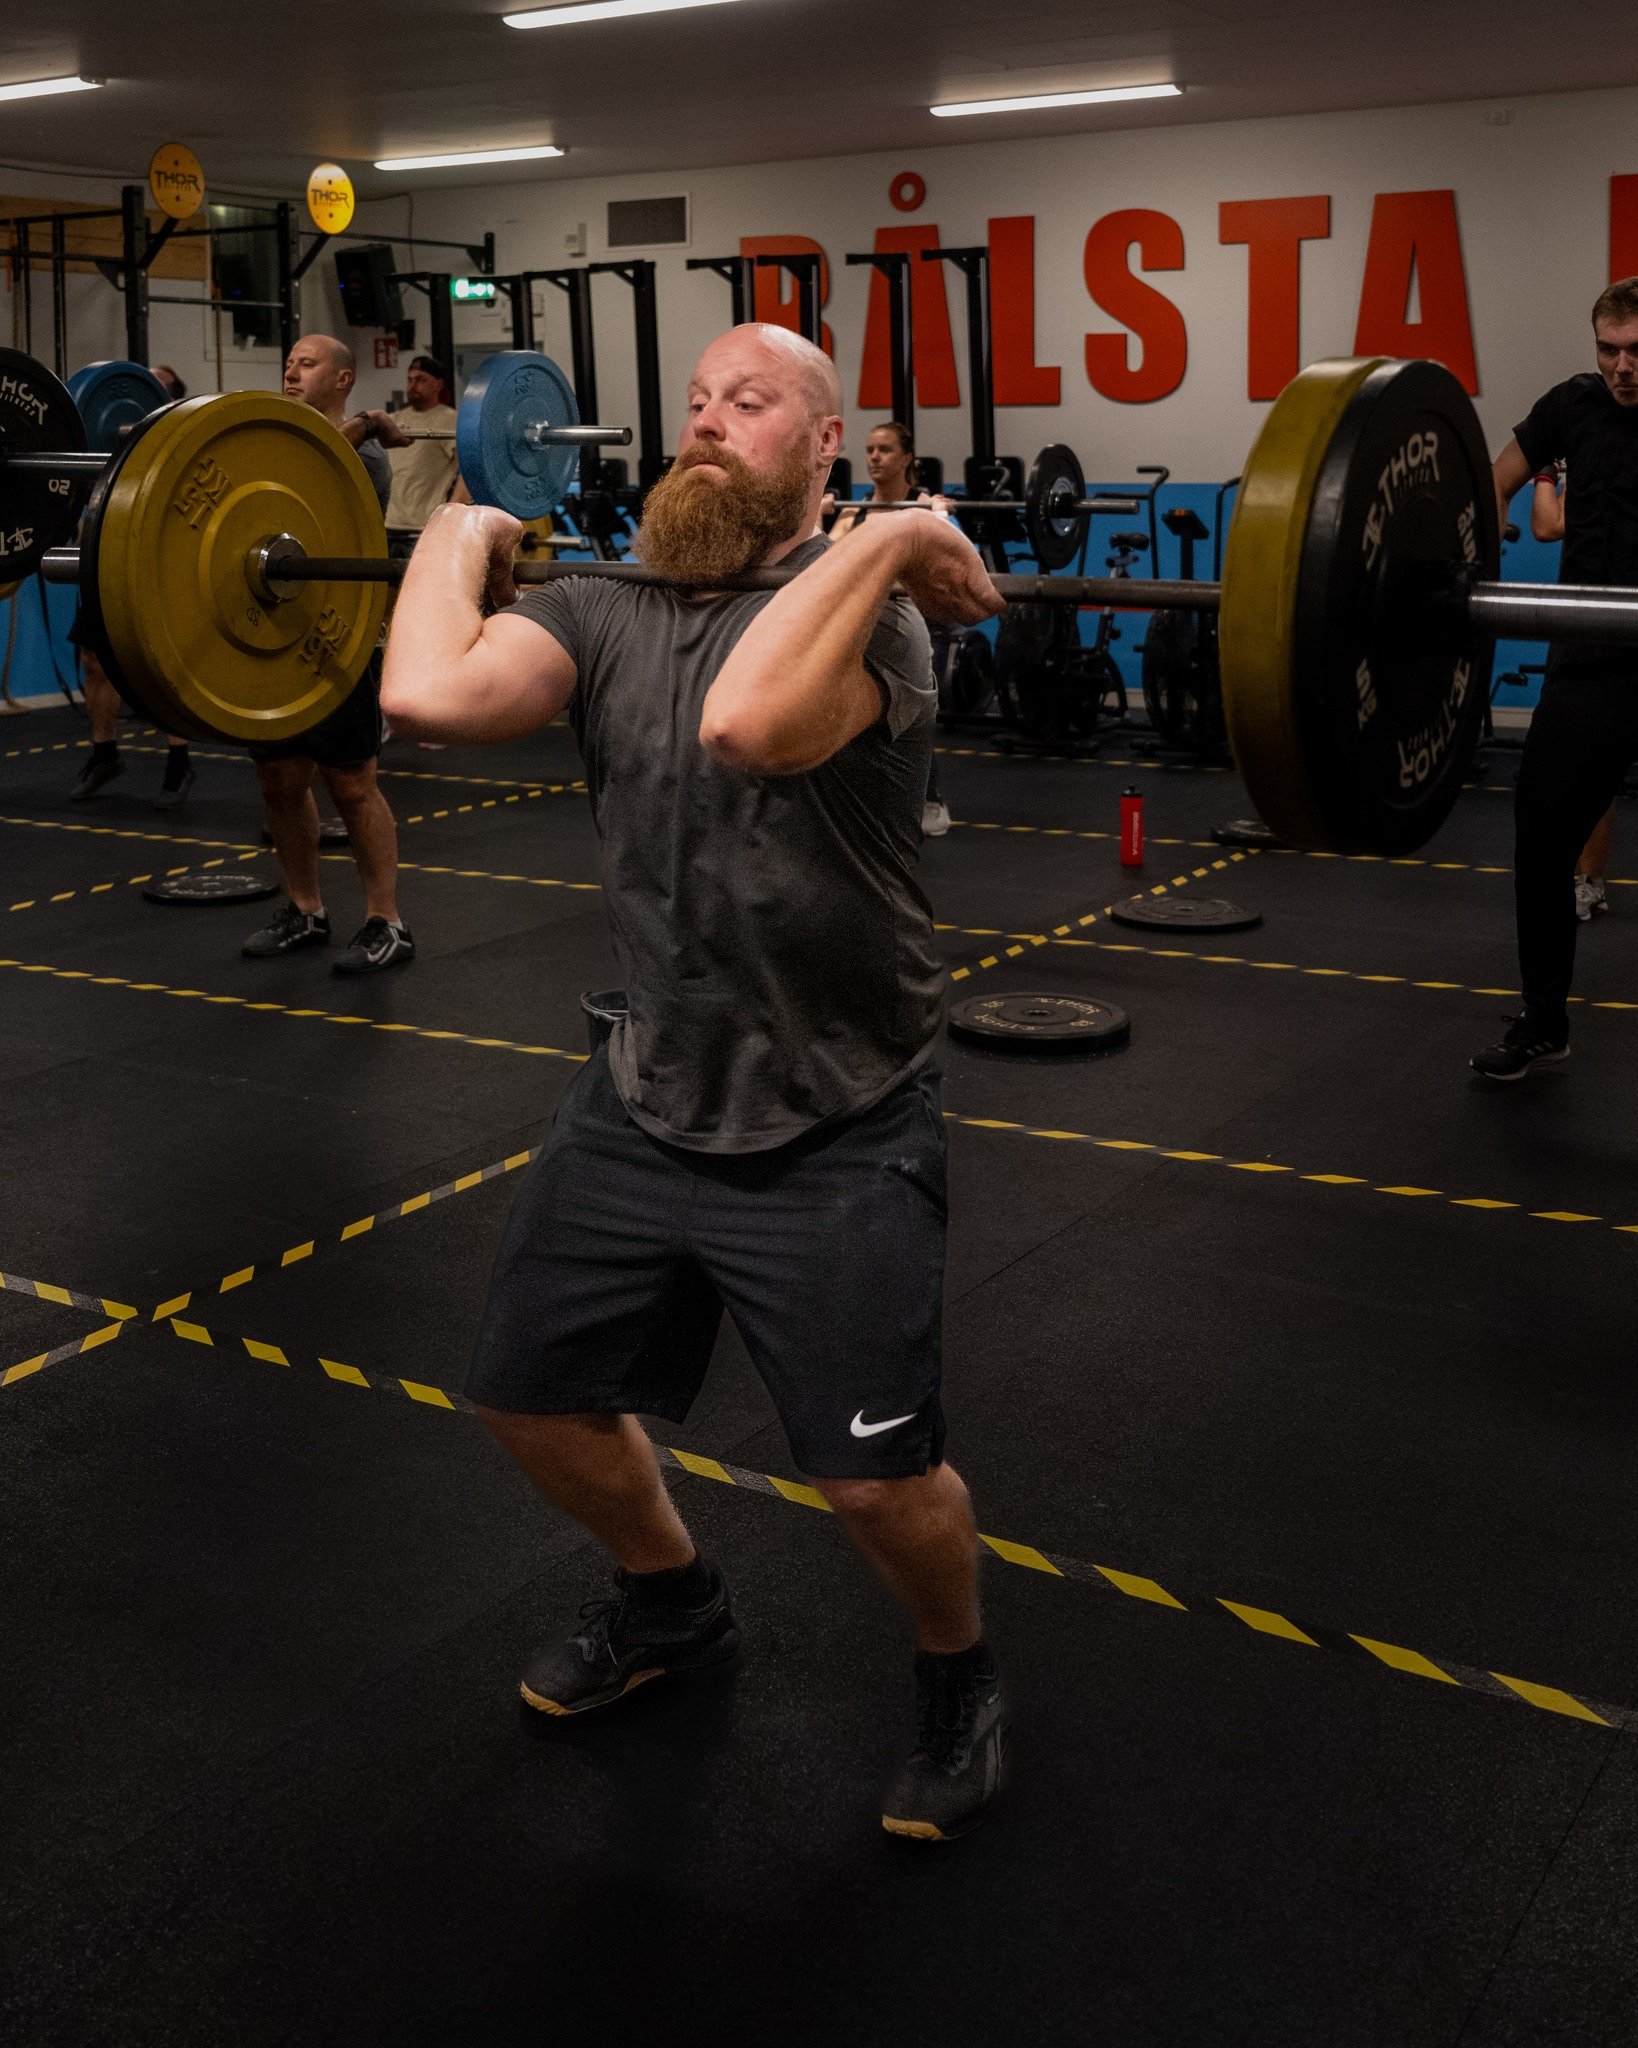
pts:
[369, 295]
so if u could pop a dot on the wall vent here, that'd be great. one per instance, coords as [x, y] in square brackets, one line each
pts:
[649, 223]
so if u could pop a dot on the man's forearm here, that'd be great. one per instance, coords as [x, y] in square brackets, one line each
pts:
[436, 625]
[787, 692]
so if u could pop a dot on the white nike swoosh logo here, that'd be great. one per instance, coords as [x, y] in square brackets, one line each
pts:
[863, 1428]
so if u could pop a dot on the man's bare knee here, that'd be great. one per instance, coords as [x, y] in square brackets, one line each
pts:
[284, 780]
[352, 788]
[867, 1500]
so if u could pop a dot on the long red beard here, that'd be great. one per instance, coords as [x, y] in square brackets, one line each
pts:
[697, 530]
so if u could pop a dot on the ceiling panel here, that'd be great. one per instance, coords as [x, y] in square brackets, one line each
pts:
[264, 93]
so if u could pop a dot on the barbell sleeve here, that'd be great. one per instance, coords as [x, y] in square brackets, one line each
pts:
[1553, 611]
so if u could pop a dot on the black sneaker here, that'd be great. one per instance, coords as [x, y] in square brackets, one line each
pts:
[1527, 1043]
[624, 1642]
[95, 777]
[179, 779]
[377, 944]
[955, 1769]
[290, 930]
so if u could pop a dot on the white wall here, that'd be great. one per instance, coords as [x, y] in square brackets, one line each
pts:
[1531, 192]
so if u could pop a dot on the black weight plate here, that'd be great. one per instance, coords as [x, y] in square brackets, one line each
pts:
[967, 682]
[1055, 525]
[1244, 832]
[1040, 1023]
[1182, 690]
[92, 632]
[37, 512]
[225, 885]
[1037, 674]
[1185, 914]
[1391, 706]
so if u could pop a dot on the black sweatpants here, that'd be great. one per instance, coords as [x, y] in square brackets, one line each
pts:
[1583, 738]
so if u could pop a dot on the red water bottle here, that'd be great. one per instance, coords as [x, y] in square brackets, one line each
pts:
[1131, 828]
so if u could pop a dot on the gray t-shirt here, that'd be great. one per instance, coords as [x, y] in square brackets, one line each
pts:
[777, 952]
[378, 469]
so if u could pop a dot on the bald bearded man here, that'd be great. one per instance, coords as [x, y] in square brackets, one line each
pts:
[763, 1130]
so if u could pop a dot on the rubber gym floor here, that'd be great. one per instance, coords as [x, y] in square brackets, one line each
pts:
[1274, 1308]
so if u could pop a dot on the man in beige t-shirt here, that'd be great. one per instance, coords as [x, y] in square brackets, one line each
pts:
[424, 473]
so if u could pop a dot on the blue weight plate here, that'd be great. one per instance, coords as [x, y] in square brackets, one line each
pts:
[514, 390]
[114, 395]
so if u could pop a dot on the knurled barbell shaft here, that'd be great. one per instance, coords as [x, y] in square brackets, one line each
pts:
[1521, 611]
[541, 436]
[1056, 510]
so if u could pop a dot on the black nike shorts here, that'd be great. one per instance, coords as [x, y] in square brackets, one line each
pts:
[622, 1252]
[348, 738]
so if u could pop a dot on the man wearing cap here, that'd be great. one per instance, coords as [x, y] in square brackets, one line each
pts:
[424, 473]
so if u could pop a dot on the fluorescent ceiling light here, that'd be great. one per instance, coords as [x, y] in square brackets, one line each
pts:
[464, 156]
[599, 10]
[1035, 100]
[37, 88]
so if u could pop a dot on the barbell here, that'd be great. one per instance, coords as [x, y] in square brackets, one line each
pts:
[233, 570]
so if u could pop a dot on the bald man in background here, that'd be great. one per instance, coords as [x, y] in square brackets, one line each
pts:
[321, 372]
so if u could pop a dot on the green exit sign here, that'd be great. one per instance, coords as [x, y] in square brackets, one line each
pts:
[468, 289]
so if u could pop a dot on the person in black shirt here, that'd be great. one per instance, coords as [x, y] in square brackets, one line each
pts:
[1584, 734]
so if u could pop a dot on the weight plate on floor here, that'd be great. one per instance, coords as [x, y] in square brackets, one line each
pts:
[228, 885]
[37, 511]
[1040, 1023]
[1185, 914]
[113, 396]
[1244, 832]
[1054, 521]
[190, 504]
[1353, 709]
[514, 390]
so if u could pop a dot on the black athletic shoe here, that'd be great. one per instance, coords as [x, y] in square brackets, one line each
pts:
[376, 945]
[95, 777]
[1528, 1043]
[626, 1641]
[179, 779]
[290, 930]
[955, 1769]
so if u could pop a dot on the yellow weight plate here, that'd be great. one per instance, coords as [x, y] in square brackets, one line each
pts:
[191, 505]
[8, 590]
[1261, 566]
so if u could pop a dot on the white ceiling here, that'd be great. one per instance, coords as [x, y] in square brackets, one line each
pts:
[262, 92]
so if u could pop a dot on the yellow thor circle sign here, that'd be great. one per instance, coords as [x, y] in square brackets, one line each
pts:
[330, 199]
[176, 180]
